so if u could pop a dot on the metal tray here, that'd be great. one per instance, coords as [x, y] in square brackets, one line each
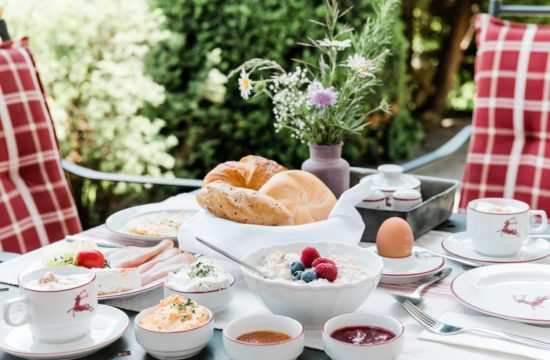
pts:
[439, 198]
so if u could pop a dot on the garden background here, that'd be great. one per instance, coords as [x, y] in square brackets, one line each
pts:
[140, 86]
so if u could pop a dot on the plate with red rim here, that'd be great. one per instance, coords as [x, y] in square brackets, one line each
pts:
[409, 269]
[460, 245]
[517, 292]
[108, 325]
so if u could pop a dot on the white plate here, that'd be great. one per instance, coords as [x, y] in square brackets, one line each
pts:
[519, 292]
[410, 269]
[108, 325]
[461, 245]
[118, 221]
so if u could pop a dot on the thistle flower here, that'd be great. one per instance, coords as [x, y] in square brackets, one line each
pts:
[340, 45]
[361, 65]
[245, 85]
[320, 97]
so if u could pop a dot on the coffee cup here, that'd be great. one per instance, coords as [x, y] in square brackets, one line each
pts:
[499, 227]
[59, 303]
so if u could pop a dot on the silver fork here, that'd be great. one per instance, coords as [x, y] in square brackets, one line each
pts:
[437, 327]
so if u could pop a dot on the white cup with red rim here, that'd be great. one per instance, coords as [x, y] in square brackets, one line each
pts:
[500, 227]
[406, 199]
[56, 313]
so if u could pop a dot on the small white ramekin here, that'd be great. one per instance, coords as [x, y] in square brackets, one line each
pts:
[284, 350]
[339, 350]
[215, 300]
[173, 344]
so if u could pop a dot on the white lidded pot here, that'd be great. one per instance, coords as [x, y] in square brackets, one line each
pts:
[389, 179]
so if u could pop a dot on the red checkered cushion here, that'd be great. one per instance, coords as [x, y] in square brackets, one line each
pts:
[36, 205]
[510, 147]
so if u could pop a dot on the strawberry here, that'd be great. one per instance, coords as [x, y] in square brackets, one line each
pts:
[327, 271]
[322, 260]
[308, 255]
[90, 259]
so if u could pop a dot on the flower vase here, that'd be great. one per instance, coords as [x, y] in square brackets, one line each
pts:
[325, 162]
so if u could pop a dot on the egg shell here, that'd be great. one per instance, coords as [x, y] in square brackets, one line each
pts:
[395, 238]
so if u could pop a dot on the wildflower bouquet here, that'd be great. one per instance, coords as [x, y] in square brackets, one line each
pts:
[325, 102]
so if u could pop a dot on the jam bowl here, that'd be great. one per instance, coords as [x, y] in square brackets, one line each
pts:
[266, 337]
[363, 335]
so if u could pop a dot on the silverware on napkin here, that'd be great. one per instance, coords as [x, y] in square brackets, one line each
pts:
[231, 257]
[416, 296]
[438, 327]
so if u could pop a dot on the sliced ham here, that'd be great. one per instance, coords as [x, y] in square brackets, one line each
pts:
[161, 269]
[166, 254]
[133, 256]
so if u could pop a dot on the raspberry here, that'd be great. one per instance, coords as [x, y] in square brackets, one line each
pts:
[308, 255]
[322, 260]
[327, 271]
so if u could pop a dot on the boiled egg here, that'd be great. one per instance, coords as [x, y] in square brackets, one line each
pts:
[395, 238]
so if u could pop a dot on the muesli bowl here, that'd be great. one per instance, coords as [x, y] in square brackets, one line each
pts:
[314, 303]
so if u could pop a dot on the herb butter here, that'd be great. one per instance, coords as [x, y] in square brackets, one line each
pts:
[201, 276]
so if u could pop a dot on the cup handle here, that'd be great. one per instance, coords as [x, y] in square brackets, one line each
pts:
[6, 312]
[544, 222]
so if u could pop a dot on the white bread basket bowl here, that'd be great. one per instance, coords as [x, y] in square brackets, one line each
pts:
[343, 225]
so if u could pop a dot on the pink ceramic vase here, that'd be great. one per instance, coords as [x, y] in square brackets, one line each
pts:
[325, 162]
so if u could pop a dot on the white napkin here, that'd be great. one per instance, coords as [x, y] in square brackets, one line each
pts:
[343, 225]
[474, 340]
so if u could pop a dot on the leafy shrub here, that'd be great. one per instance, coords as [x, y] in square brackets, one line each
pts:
[213, 130]
[90, 55]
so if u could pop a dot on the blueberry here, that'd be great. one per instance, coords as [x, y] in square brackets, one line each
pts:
[297, 266]
[309, 275]
[297, 275]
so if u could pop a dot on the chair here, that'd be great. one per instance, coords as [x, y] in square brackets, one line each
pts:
[505, 170]
[36, 206]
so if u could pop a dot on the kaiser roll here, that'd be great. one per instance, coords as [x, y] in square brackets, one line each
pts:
[306, 197]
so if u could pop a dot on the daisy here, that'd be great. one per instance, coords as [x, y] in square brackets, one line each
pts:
[361, 65]
[340, 45]
[322, 98]
[245, 85]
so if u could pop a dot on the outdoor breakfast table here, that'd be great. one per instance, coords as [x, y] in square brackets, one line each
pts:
[438, 301]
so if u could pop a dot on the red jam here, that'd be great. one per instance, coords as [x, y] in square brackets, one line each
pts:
[363, 335]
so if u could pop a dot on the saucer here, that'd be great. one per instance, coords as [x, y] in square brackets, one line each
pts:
[461, 245]
[410, 269]
[108, 325]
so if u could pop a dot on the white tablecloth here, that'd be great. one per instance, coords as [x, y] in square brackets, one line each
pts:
[439, 300]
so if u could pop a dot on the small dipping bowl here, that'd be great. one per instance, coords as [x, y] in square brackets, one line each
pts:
[283, 350]
[173, 344]
[339, 350]
[215, 300]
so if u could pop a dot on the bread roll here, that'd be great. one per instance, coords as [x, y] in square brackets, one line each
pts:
[306, 197]
[242, 205]
[251, 172]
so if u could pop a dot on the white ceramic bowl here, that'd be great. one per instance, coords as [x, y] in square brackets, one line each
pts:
[310, 304]
[339, 350]
[173, 344]
[215, 300]
[285, 350]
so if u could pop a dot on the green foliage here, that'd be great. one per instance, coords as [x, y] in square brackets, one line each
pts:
[90, 55]
[213, 131]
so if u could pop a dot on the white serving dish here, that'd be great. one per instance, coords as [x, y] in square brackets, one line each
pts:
[312, 305]
[339, 350]
[118, 222]
[173, 344]
[285, 350]
[215, 300]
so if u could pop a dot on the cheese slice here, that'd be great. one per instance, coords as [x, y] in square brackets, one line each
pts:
[111, 281]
